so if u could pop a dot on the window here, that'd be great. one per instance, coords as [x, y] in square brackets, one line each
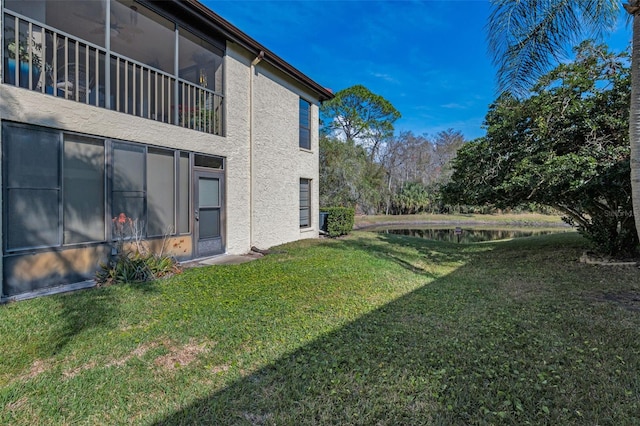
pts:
[63, 189]
[80, 18]
[136, 32]
[305, 203]
[49, 203]
[128, 181]
[83, 189]
[160, 192]
[184, 183]
[208, 162]
[209, 207]
[32, 187]
[305, 124]
[199, 62]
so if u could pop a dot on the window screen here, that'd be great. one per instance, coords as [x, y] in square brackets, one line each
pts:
[209, 223]
[160, 192]
[83, 190]
[183, 194]
[305, 124]
[200, 62]
[32, 192]
[208, 162]
[209, 207]
[305, 203]
[128, 181]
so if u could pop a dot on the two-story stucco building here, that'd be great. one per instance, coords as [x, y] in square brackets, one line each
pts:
[158, 110]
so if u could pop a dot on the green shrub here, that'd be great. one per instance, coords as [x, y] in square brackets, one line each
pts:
[339, 220]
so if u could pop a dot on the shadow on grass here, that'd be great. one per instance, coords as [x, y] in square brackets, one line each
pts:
[346, 377]
[83, 310]
[418, 251]
[456, 351]
[88, 310]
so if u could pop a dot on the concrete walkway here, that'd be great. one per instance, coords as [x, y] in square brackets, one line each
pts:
[224, 259]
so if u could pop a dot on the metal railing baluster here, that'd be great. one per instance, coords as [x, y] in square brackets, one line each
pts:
[167, 99]
[87, 89]
[43, 61]
[149, 93]
[118, 84]
[16, 40]
[30, 42]
[76, 86]
[125, 87]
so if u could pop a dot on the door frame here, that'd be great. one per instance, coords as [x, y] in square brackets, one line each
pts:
[211, 174]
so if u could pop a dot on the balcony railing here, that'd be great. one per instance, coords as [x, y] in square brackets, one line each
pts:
[43, 59]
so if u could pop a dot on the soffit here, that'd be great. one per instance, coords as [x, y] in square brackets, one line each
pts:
[197, 15]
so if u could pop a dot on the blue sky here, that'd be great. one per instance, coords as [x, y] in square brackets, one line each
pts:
[428, 58]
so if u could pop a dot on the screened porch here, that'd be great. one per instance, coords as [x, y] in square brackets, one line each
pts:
[118, 55]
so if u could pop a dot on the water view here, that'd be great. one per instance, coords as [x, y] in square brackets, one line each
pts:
[470, 235]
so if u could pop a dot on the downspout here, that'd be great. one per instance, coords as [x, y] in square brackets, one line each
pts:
[255, 62]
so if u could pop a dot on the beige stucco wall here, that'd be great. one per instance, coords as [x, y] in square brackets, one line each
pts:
[279, 161]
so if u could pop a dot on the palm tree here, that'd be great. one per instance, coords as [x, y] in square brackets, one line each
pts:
[526, 36]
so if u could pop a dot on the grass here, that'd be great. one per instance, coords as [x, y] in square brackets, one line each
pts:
[511, 219]
[370, 329]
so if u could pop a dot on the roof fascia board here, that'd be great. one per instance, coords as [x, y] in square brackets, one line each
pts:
[235, 35]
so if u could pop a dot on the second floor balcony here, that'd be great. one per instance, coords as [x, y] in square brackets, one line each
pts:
[118, 55]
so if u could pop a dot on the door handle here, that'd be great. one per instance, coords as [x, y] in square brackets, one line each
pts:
[197, 215]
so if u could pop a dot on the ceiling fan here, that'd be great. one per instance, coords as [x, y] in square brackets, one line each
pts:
[118, 27]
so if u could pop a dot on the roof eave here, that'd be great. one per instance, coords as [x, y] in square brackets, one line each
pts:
[239, 37]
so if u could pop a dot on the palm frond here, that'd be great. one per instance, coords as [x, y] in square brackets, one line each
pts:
[526, 37]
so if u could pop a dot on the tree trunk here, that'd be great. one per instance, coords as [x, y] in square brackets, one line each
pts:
[634, 119]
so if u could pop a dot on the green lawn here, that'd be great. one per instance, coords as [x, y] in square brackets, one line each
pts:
[370, 329]
[509, 219]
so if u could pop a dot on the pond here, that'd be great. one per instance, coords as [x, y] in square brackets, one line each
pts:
[470, 235]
